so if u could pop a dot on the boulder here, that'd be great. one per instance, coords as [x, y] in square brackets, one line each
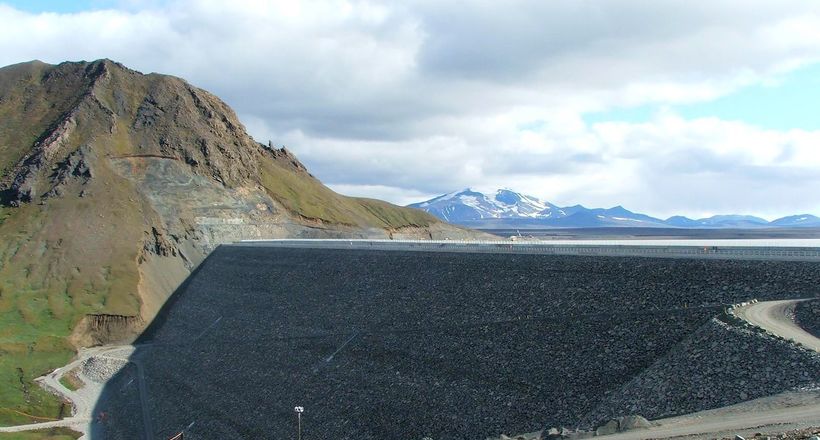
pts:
[553, 434]
[610, 427]
[633, 422]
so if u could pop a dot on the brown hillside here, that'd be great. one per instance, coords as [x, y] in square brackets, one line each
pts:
[115, 184]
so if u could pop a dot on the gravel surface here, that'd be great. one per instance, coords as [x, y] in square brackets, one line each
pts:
[778, 319]
[382, 345]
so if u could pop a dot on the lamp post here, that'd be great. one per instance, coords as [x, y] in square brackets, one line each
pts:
[178, 436]
[299, 410]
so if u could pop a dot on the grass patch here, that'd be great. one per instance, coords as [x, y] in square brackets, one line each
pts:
[32, 338]
[391, 216]
[21, 399]
[309, 198]
[52, 272]
[71, 381]
[304, 195]
[42, 434]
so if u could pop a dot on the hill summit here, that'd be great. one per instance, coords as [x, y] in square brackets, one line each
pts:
[114, 185]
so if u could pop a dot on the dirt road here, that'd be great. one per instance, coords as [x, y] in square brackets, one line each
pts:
[777, 317]
[769, 414]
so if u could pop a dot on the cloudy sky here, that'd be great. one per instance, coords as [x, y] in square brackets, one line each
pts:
[694, 107]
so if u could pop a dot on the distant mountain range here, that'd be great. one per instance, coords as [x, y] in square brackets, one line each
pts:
[509, 209]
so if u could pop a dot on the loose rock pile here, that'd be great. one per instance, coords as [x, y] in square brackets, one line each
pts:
[102, 369]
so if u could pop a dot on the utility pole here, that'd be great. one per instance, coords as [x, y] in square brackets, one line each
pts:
[299, 410]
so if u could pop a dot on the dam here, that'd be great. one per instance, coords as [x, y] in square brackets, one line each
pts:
[754, 249]
[377, 342]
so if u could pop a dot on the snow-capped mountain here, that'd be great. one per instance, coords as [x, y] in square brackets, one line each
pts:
[506, 208]
[469, 205]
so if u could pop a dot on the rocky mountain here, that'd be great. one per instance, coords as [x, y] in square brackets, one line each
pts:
[114, 185]
[509, 209]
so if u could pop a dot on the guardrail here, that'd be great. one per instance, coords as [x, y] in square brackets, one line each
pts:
[545, 248]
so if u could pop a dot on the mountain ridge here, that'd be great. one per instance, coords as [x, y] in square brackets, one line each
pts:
[504, 209]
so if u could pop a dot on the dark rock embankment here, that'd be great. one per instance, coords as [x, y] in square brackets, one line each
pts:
[382, 345]
[807, 315]
[720, 364]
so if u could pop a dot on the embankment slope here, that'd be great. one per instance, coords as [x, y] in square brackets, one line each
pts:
[807, 315]
[387, 344]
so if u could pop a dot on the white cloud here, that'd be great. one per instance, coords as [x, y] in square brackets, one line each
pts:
[423, 97]
[712, 166]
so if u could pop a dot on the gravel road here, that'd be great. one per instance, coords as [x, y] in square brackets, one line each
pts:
[776, 413]
[777, 317]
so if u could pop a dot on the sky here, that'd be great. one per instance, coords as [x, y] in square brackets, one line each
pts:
[694, 107]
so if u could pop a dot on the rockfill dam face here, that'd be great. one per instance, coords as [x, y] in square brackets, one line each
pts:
[407, 345]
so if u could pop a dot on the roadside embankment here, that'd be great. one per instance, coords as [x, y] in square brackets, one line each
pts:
[722, 363]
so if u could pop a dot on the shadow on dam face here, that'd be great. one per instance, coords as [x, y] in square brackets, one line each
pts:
[407, 345]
